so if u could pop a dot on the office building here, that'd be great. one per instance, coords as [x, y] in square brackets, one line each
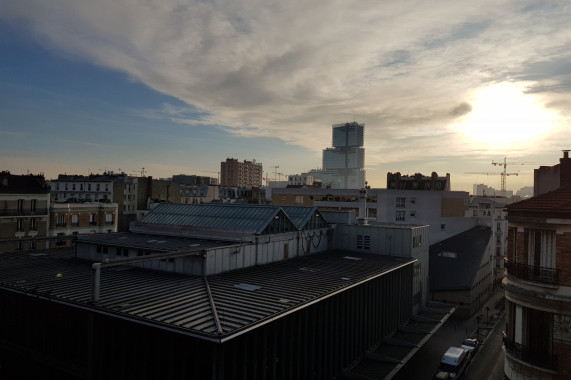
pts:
[344, 163]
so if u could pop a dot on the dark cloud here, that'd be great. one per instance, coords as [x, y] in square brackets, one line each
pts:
[461, 109]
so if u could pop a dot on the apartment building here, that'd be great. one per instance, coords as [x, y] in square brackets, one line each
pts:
[24, 210]
[241, 174]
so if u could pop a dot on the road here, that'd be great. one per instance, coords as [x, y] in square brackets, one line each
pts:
[488, 363]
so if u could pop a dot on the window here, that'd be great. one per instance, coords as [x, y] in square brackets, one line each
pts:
[32, 245]
[74, 220]
[92, 219]
[60, 221]
[33, 205]
[98, 187]
[19, 246]
[33, 224]
[413, 214]
[81, 186]
[89, 187]
[108, 218]
[299, 199]
[417, 241]
[413, 200]
[541, 251]
[359, 241]
[20, 205]
[442, 227]
[57, 186]
[20, 225]
[400, 215]
[367, 242]
[401, 202]
[73, 186]
[75, 233]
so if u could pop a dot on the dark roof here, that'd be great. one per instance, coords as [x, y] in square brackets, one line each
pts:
[216, 307]
[155, 243]
[22, 184]
[459, 273]
[244, 218]
[554, 202]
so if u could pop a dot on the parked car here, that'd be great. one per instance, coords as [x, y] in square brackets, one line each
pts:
[454, 361]
[471, 345]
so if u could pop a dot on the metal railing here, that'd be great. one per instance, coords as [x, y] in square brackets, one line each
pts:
[531, 272]
[23, 212]
[530, 355]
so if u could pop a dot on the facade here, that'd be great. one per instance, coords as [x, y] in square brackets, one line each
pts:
[461, 271]
[344, 163]
[241, 174]
[106, 188]
[391, 240]
[24, 210]
[72, 219]
[491, 214]
[199, 193]
[444, 211]
[548, 178]
[538, 287]
[194, 180]
[156, 190]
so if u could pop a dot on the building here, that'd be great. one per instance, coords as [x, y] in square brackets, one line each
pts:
[538, 287]
[24, 210]
[194, 180]
[72, 219]
[492, 214]
[241, 174]
[444, 211]
[487, 191]
[418, 182]
[199, 193]
[106, 187]
[344, 163]
[203, 291]
[548, 178]
[461, 270]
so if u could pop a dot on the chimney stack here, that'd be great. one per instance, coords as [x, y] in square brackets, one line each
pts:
[565, 169]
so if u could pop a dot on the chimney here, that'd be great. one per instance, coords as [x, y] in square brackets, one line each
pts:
[565, 169]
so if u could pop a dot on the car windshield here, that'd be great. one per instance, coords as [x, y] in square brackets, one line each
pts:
[469, 343]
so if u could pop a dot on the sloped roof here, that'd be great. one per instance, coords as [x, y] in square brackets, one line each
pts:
[245, 218]
[215, 308]
[458, 273]
[552, 203]
[300, 215]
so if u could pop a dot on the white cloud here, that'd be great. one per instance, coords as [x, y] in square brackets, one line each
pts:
[291, 69]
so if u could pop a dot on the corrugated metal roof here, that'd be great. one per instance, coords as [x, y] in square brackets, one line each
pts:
[158, 243]
[213, 308]
[235, 217]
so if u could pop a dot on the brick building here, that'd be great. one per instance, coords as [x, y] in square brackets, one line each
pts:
[538, 287]
[241, 174]
[70, 219]
[24, 205]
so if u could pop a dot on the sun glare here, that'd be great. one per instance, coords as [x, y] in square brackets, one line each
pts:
[503, 116]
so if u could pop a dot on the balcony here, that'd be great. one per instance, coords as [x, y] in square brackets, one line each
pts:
[532, 273]
[530, 355]
[24, 212]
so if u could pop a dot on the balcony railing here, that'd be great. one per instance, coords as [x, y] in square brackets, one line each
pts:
[530, 355]
[532, 273]
[24, 212]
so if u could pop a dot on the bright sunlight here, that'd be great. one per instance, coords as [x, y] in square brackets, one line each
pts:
[503, 116]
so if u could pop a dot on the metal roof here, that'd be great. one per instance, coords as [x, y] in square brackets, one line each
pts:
[300, 215]
[215, 308]
[157, 243]
[458, 273]
[235, 217]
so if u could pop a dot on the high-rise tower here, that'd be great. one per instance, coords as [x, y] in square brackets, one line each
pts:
[344, 163]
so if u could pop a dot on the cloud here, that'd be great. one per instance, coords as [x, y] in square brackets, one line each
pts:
[290, 70]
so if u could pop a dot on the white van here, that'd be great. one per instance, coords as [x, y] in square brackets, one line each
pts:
[455, 361]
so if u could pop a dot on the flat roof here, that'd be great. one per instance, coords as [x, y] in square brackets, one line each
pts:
[215, 308]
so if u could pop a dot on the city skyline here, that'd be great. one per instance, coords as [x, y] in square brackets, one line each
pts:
[179, 87]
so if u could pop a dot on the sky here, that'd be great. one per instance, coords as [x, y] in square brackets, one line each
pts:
[177, 86]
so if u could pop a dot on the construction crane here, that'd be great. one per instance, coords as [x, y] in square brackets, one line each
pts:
[504, 173]
[505, 164]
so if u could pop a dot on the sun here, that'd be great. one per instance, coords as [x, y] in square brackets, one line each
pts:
[504, 116]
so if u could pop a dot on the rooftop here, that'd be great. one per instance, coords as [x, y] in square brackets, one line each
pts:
[552, 203]
[216, 308]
